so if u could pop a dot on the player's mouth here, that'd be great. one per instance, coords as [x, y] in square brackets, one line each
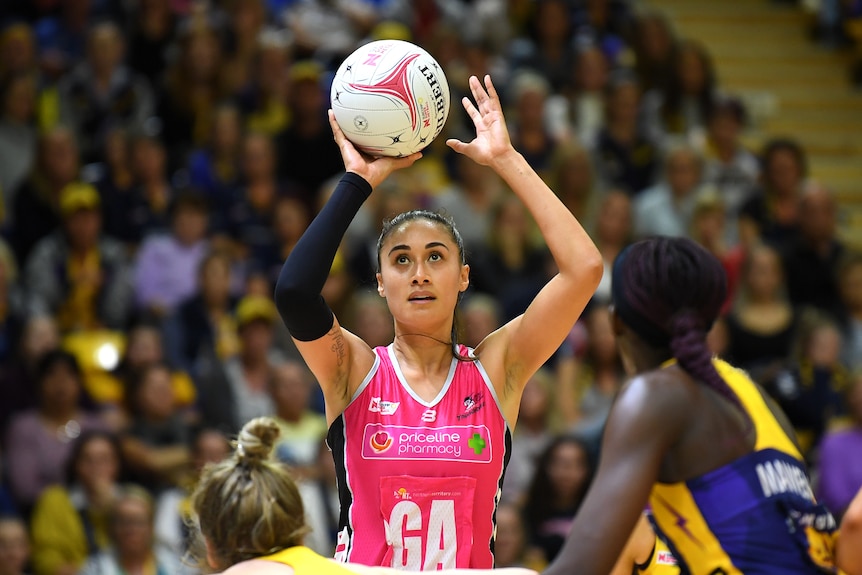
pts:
[421, 296]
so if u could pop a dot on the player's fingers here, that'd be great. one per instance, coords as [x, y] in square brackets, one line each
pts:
[405, 162]
[336, 129]
[456, 145]
[492, 91]
[479, 94]
[471, 109]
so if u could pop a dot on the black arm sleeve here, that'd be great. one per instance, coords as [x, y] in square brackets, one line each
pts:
[297, 292]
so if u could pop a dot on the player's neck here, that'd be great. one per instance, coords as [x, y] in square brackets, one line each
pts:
[423, 354]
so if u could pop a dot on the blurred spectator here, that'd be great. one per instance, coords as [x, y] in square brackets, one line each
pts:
[772, 213]
[480, 316]
[76, 272]
[144, 347]
[573, 179]
[564, 471]
[236, 389]
[36, 205]
[329, 30]
[612, 232]
[812, 255]
[589, 379]
[730, 167]
[307, 154]
[603, 23]
[626, 158]
[17, 136]
[156, 442]
[302, 429]
[530, 438]
[528, 94]
[39, 440]
[850, 288]
[469, 200]
[165, 267]
[115, 180]
[134, 548]
[762, 322]
[173, 508]
[11, 304]
[244, 21]
[708, 225]
[103, 93]
[202, 326]
[586, 94]
[682, 108]
[510, 545]
[18, 378]
[290, 217]
[550, 48]
[264, 99]
[152, 32]
[14, 545]
[666, 208]
[214, 169]
[512, 256]
[370, 319]
[653, 43]
[192, 90]
[839, 469]
[62, 36]
[71, 520]
[810, 389]
[17, 49]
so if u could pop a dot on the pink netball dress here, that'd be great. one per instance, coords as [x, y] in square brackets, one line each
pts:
[419, 481]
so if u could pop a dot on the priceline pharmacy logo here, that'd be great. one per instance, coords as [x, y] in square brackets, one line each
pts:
[468, 443]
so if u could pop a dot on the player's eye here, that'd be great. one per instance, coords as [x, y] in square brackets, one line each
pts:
[435, 256]
[402, 259]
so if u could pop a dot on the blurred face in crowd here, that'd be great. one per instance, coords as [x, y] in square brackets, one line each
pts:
[60, 389]
[201, 56]
[850, 285]
[603, 345]
[59, 156]
[655, 38]
[824, 347]
[614, 223]
[149, 159]
[291, 389]
[20, 98]
[575, 176]
[783, 172]
[512, 219]
[133, 526]
[105, 49]
[256, 338]
[568, 469]
[98, 463]
[764, 276]
[291, 219]
[683, 172]
[511, 537]
[307, 98]
[190, 224]
[155, 397]
[215, 280]
[724, 129]
[83, 228]
[480, 319]
[534, 401]
[211, 446]
[373, 321]
[552, 20]
[708, 226]
[531, 109]
[14, 546]
[692, 70]
[40, 336]
[592, 70]
[144, 346]
[258, 157]
[623, 103]
[226, 130]
[817, 215]
[117, 149]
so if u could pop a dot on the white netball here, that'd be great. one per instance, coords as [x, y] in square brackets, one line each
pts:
[390, 98]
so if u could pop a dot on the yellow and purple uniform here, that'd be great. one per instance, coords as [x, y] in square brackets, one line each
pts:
[754, 515]
[304, 561]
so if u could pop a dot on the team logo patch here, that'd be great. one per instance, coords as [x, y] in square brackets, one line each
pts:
[382, 406]
[380, 442]
[472, 404]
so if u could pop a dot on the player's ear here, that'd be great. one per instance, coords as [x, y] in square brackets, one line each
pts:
[380, 289]
[465, 278]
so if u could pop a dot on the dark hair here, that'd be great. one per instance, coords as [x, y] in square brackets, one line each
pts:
[57, 357]
[78, 448]
[447, 224]
[135, 380]
[776, 145]
[541, 497]
[670, 291]
[673, 104]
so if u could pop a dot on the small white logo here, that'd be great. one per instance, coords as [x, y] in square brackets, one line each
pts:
[383, 407]
[430, 416]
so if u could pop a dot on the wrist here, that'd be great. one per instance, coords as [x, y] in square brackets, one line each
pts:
[358, 181]
[507, 160]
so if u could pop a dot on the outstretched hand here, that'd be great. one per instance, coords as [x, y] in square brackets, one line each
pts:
[492, 136]
[374, 170]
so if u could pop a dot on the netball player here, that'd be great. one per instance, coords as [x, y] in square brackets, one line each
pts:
[694, 436]
[249, 519]
[420, 430]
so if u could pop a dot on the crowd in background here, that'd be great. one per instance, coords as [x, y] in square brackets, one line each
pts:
[160, 158]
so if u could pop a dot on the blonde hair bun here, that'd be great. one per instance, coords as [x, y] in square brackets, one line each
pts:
[256, 440]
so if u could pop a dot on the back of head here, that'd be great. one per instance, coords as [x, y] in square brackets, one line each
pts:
[669, 291]
[248, 506]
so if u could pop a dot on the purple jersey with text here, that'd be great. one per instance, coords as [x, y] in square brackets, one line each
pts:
[419, 481]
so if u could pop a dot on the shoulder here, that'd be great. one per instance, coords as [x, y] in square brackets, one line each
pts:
[660, 398]
[259, 567]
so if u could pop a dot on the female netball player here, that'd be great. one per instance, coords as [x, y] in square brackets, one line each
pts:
[694, 436]
[249, 517]
[420, 430]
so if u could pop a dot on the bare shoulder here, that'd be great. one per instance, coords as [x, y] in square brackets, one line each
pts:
[658, 389]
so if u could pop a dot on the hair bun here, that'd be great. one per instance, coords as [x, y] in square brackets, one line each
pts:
[256, 439]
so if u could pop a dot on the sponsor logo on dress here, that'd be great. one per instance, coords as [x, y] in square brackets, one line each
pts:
[472, 404]
[466, 443]
[665, 558]
[382, 406]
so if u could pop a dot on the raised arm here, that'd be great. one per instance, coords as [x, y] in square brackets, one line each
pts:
[528, 341]
[644, 422]
[333, 354]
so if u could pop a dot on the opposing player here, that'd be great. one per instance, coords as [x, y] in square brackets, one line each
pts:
[249, 518]
[421, 429]
[694, 436]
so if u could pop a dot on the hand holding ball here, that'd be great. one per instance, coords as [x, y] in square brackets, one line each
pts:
[390, 98]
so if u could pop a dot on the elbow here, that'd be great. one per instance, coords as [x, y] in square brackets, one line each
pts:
[592, 269]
